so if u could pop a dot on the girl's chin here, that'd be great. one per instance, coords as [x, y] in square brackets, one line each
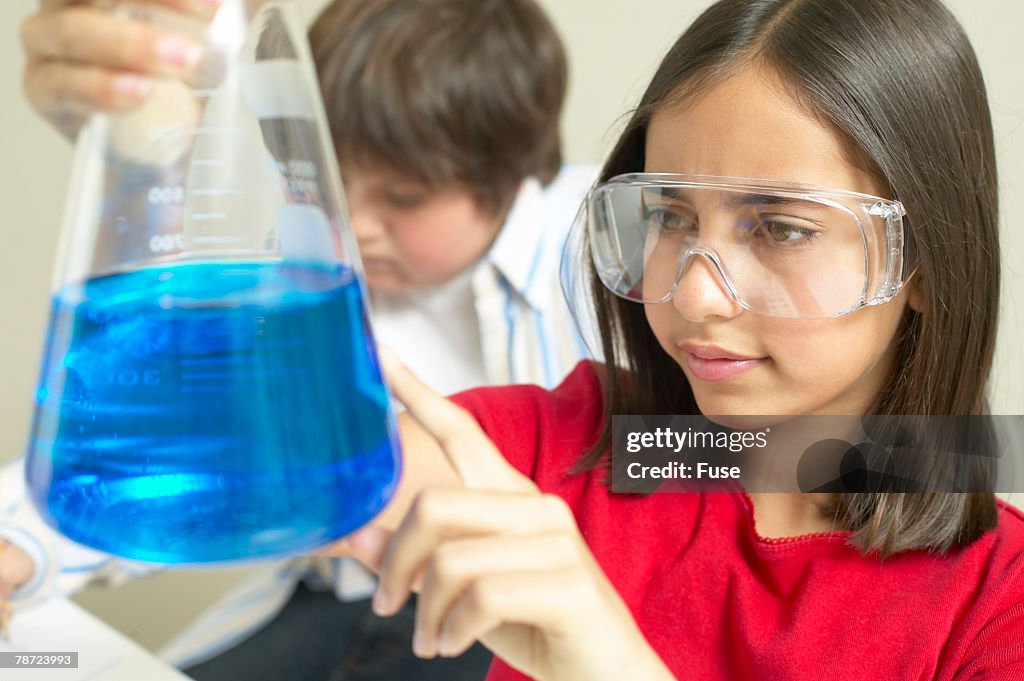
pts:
[739, 409]
[745, 421]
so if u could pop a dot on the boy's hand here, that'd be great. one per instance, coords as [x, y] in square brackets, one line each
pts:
[16, 568]
[499, 561]
[81, 58]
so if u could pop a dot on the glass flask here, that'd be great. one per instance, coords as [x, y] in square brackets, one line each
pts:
[210, 389]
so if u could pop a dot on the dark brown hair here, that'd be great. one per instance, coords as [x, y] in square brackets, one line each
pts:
[453, 93]
[900, 80]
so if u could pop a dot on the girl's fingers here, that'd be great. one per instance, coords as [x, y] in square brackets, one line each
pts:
[541, 600]
[94, 37]
[368, 545]
[472, 454]
[458, 563]
[336, 549]
[439, 514]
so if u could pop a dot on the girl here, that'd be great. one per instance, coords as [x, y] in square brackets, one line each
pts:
[882, 102]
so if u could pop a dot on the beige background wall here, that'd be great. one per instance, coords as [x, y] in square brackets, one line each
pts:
[614, 46]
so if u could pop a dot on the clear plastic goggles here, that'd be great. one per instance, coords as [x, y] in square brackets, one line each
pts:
[779, 249]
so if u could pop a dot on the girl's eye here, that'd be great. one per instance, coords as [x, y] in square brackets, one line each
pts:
[781, 233]
[668, 219]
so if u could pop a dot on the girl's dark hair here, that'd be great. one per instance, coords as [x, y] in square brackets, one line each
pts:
[454, 93]
[900, 80]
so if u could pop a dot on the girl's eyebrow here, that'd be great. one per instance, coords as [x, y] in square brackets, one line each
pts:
[745, 199]
[735, 199]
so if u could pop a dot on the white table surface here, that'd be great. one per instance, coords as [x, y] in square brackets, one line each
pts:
[104, 654]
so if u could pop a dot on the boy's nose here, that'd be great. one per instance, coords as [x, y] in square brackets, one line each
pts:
[701, 291]
[366, 225]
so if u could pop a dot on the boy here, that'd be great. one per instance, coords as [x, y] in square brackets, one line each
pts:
[451, 161]
[445, 117]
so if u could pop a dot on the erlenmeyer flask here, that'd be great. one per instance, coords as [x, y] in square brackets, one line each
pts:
[210, 389]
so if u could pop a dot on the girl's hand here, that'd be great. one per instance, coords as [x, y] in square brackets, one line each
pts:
[81, 58]
[500, 562]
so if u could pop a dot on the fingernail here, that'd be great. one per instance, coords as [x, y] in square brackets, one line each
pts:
[178, 51]
[445, 647]
[423, 646]
[380, 603]
[133, 85]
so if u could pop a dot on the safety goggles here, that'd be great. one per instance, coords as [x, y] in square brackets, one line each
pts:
[778, 249]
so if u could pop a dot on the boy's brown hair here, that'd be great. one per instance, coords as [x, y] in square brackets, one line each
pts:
[454, 93]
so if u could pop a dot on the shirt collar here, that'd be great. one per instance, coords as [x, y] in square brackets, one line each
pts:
[517, 251]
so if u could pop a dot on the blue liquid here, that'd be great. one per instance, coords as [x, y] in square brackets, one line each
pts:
[211, 412]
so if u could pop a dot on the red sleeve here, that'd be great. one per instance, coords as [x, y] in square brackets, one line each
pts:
[540, 432]
[996, 652]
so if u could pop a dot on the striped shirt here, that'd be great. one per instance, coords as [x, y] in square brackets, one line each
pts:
[527, 334]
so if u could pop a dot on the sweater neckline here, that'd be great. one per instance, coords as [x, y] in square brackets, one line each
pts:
[828, 537]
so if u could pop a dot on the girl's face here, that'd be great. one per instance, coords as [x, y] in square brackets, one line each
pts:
[739, 362]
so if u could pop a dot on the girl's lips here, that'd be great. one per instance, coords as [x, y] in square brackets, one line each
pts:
[713, 363]
[719, 369]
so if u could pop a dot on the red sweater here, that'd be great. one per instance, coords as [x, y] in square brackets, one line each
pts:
[718, 601]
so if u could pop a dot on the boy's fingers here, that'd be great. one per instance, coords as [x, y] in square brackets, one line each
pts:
[92, 37]
[472, 454]
[75, 90]
[201, 8]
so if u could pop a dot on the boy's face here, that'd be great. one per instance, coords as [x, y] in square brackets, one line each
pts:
[411, 236]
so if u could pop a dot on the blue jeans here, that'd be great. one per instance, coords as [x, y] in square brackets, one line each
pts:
[318, 638]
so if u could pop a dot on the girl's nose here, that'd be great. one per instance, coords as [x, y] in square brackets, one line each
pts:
[702, 291]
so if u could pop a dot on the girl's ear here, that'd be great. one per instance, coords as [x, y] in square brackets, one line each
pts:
[916, 298]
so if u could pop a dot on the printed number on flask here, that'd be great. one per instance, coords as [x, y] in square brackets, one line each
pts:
[162, 243]
[128, 378]
[171, 194]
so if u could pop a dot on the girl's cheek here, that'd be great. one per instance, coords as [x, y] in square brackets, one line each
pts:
[662, 320]
[831, 357]
[810, 350]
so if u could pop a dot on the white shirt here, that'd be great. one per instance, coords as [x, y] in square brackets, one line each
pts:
[446, 355]
[524, 333]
